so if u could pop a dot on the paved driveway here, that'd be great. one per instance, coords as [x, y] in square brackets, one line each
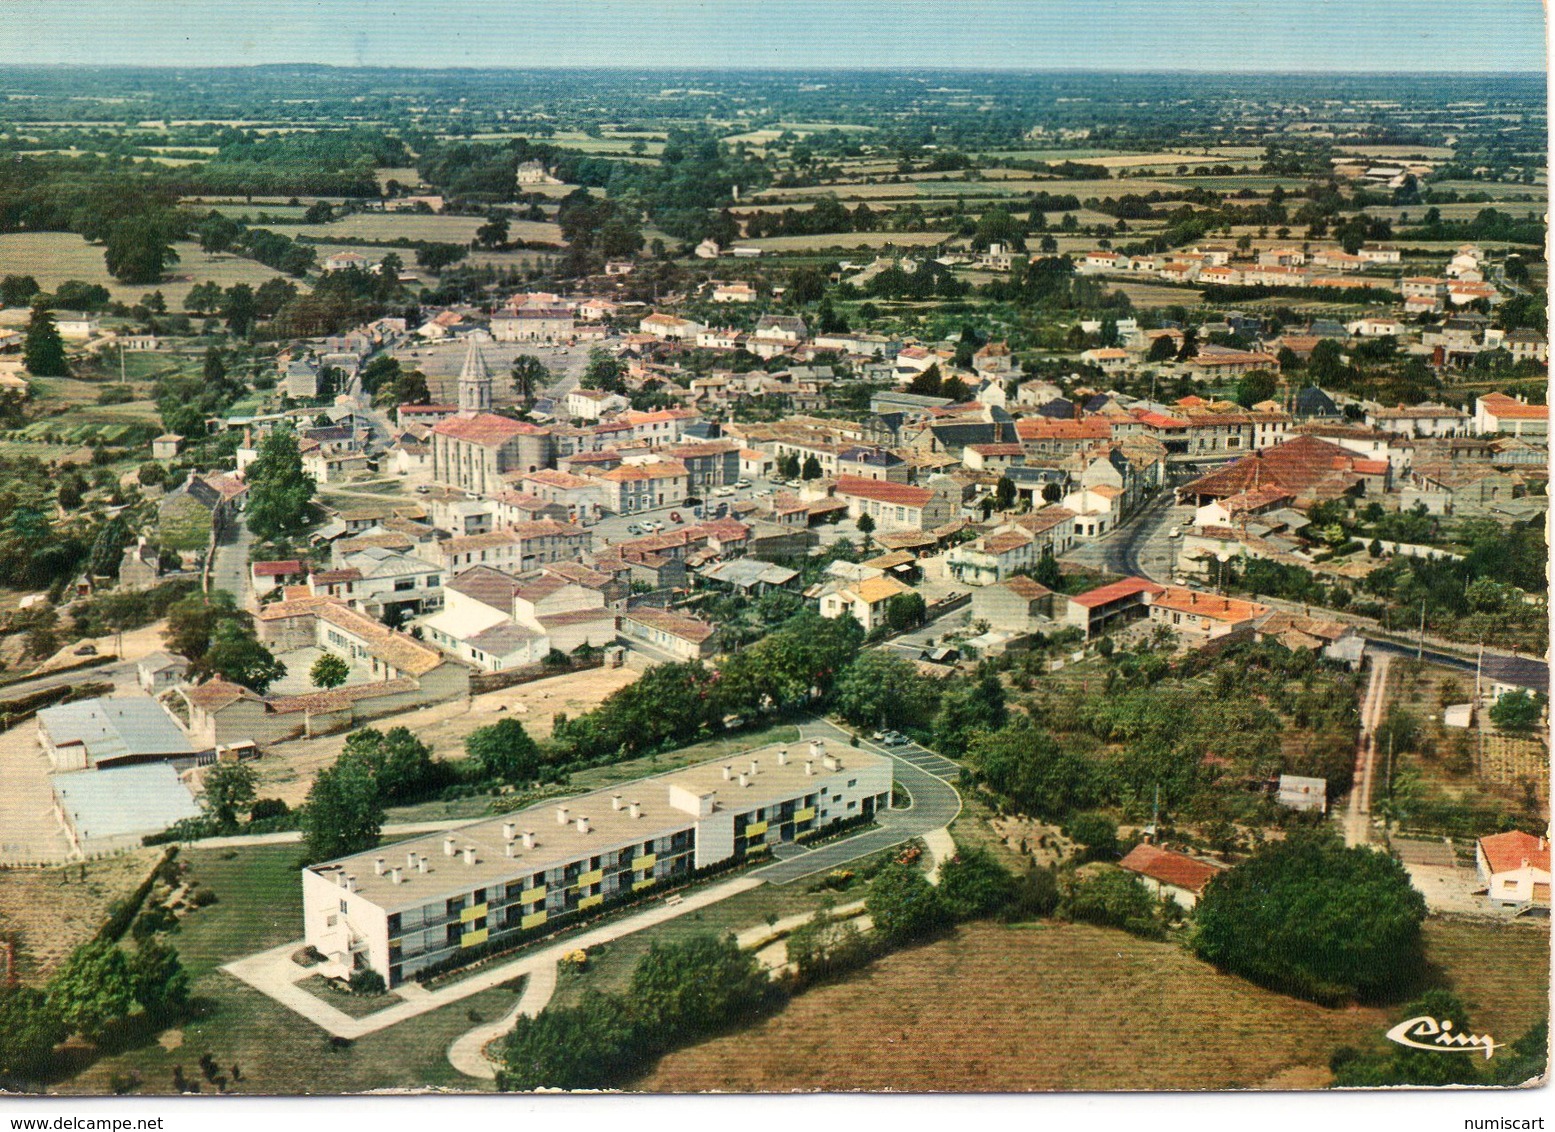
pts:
[935, 805]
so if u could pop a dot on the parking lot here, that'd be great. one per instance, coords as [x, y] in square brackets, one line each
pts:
[616, 528]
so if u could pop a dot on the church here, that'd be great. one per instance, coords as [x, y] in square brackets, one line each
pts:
[474, 449]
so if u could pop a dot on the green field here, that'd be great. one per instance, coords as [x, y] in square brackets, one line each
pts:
[53, 257]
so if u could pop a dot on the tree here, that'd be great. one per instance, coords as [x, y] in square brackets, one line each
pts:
[108, 548]
[239, 307]
[437, 257]
[866, 524]
[280, 493]
[1254, 387]
[399, 762]
[1096, 834]
[973, 884]
[903, 905]
[1517, 711]
[236, 654]
[329, 671]
[138, 250]
[343, 813]
[1047, 572]
[229, 788]
[605, 371]
[690, 989]
[1024, 764]
[192, 622]
[17, 290]
[1114, 899]
[504, 751]
[904, 611]
[43, 350]
[927, 383]
[969, 707]
[811, 469]
[93, 989]
[493, 233]
[882, 689]
[593, 1045]
[203, 298]
[529, 376]
[1162, 349]
[29, 1029]
[1310, 917]
[1004, 493]
[161, 985]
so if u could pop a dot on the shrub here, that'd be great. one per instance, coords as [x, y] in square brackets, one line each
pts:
[1114, 899]
[367, 982]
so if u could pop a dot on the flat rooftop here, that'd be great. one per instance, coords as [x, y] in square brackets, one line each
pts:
[123, 801]
[557, 844]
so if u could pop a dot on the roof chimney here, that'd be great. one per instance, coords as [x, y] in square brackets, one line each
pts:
[782, 756]
[508, 849]
[351, 884]
[728, 773]
[394, 876]
[817, 748]
[449, 846]
[635, 809]
[377, 866]
[583, 825]
[615, 802]
[421, 862]
[509, 830]
[340, 879]
[529, 839]
[745, 780]
[410, 860]
[469, 854]
[809, 767]
[561, 815]
[755, 766]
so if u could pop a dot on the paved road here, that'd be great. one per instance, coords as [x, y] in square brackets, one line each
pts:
[1142, 546]
[935, 805]
[230, 570]
[1357, 820]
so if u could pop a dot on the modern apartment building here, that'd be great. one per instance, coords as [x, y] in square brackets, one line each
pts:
[401, 908]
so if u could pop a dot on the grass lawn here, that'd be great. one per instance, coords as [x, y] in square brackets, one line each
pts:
[49, 912]
[1050, 1006]
[259, 906]
[343, 1000]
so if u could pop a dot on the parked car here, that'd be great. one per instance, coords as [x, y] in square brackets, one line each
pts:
[634, 529]
[742, 483]
[1175, 532]
[723, 491]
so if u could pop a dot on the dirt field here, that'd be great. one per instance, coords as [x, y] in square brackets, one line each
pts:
[48, 912]
[1061, 1007]
[848, 240]
[414, 226]
[287, 771]
[53, 257]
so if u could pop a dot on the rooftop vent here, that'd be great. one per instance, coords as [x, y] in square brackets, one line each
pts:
[745, 780]
[377, 866]
[469, 854]
[809, 767]
[817, 748]
[509, 830]
[410, 860]
[782, 756]
[508, 849]
[635, 809]
[755, 766]
[449, 846]
[561, 815]
[529, 839]
[583, 825]
[615, 802]
[728, 773]
[421, 863]
[830, 763]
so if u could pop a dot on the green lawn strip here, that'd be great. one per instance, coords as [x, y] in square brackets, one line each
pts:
[347, 1002]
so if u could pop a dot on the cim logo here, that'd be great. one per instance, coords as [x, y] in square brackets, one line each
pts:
[1414, 1032]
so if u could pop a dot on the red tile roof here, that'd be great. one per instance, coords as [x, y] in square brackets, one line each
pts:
[884, 491]
[1116, 591]
[277, 569]
[1506, 852]
[485, 429]
[1167, 867]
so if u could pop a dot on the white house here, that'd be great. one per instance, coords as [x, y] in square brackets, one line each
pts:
[1515, 870]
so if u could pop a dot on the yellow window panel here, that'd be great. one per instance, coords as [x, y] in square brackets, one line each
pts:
[756, 829]
[805, 814]
[591, 878]
[592, 901]
[470, 939]
[533, 920]
[532, 895]
[474, 912]
[645, 862]
[646, 882]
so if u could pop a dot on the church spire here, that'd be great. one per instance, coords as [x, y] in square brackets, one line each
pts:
[474, 383]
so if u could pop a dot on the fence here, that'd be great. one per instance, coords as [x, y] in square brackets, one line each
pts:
[494, 681]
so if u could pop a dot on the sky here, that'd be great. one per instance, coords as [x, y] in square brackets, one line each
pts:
[1156, 35]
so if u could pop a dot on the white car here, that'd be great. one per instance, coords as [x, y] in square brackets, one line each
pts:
[1175, 532]
[723, 491]
[742, 483]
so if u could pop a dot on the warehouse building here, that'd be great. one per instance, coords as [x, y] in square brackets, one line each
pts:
[422, 902]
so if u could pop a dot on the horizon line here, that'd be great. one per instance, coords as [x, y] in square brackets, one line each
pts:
[776, 67]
